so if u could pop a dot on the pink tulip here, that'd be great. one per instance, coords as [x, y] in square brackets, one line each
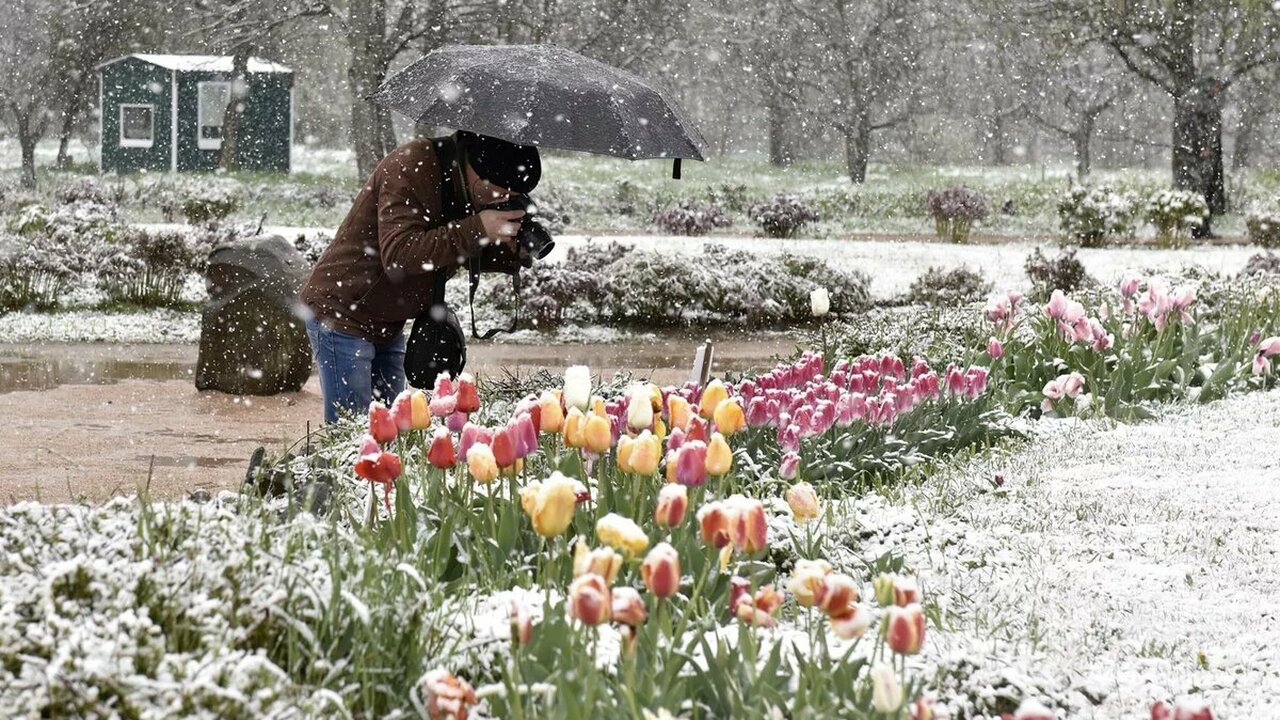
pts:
[1261, 365]
[955, 380]
[456, 421]
[995, 349]
[691, 463]
[975, 382]
[789, 466]
[472, 434]
[1129, 287]
[1072, 384]
[1269, 347]
[757, 412]
[1183, 710]
[525, 435]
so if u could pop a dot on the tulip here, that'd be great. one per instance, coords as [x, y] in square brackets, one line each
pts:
[711, 396]
[904, 629]
[921, 709]
[1072, 384]
[472, 434]
[524, 434]
[806, 579]
[691, 463]
[673, 502]
[622, 534]
[550, 504]
[886, 693]
[504, 448]
[678, 412]
[456, 421]
[836, 594]
[590, 601]
[789, 466]
[551, 416]
[626, 446]
[757, 411]
[598, 406]
[646, 453]
[995, 349]
[729, 417]
[716, 521]
[1261, 365]
[481, 463]
[575, 426]
[628, 608]
[758, 609]
[521, 623]
[443, 385]
[442, 454]
[661, 570]
[1032, 709]
[410, 411]
[597, 435]
[698, 429]
[719, 457]
[852, 624]
[467, 394]
[639, 408]
[803, 500]
[819, 302]
[443, 405]
[602, 561]
[375, 464]
[382, 427]
[446, 696]
[751, 529]
[1269, 347]
[1183, 710]
[577, 387]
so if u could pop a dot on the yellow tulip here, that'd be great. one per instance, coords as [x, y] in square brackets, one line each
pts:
[550, 416]
[575, 425]
[626, 446]
[655, 398]
[621, 533]
[481, 463]
[678, 412]
[712, 395]
[597, 405]
[670, 474]
[645, 454]
[550, 504]
[659, 429]
[419, 410]
[597, 434]
[602, 561]
[729, 417]
[719, 456]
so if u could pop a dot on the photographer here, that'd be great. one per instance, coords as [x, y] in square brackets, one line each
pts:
[420, 216]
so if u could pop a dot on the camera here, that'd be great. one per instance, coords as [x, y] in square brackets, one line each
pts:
[533, 242]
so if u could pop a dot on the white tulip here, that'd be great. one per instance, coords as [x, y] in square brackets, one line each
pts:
[639, 407]
[886, 693]
[820, 302]
[577, 387]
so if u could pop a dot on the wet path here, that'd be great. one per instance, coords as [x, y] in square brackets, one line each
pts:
[86, 420]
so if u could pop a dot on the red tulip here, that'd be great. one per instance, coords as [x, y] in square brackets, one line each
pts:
[691, 463]
[381, 425]
[468, 397]
[1183, 710]
[661, 570]
[446, 696]
[590, 600]
[751, 528]
[504, 448]
[673, 501]
[716, 522]
[442, 454]
[904, 629]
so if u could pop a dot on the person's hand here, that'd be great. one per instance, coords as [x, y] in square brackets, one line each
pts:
[501, 226]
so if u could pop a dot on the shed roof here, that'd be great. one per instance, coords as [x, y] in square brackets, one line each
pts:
[204, 63]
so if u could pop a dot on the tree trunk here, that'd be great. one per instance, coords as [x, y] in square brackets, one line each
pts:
[1252, 112]
[780, 151]
[372, 135]
[232, 119]
[857, 147]
[1197, 143]
[70, 113]
[27, 141]
[1081, 140]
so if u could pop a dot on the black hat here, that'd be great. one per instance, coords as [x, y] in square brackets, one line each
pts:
[514, 167]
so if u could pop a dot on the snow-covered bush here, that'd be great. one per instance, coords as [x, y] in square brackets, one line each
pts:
[1262, 265]
[1264, 229]
[90, 220]
[312, 246]
[37, 270]
[689, 218]
[90, 189]
[1175, 213]
[782, 216]
[949, 288]
[955, 210]
[146, 268]
[1091, 216]
[1063, 272]
[734, 198]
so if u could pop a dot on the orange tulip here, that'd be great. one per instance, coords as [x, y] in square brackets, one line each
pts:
[751, 528]
[551, 416]
[661, 570]
[716, 520]
[719, 457]
[904, 629]
[590, 600]
[836, 595]
[711, 396]
[628, 607]
[597, 434]
[673, 502]
[575, 427]
[678, 412]
[729, 417]
[758, 610]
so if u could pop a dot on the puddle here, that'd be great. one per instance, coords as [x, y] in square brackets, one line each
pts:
[190, 461]
[668, 359]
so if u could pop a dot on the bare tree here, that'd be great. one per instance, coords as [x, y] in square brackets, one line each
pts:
[1077, 85]
[1256, 101]
[27, 88]
[1194, 50]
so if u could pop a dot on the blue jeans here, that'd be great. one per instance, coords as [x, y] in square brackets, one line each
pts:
[354, 371]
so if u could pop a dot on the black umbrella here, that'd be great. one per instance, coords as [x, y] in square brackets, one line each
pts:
[543, 95]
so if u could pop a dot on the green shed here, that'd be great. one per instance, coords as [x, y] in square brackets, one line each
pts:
[164, 112]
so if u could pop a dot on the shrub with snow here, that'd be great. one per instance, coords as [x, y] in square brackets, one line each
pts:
[689, 218]
[1176, 213]
[940, 287]
[1063, 272]
[955, 210]
[146, 268]
[1093, 216]
[782, 216]
[1264, 229]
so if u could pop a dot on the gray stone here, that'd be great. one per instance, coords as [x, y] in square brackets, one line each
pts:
[253, 340]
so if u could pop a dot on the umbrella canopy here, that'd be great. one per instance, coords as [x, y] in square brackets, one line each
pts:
[542, 95]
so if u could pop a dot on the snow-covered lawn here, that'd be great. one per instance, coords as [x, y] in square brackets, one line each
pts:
[1116, 566]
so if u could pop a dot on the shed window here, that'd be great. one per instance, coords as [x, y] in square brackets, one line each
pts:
[212, 108]
[137, 125]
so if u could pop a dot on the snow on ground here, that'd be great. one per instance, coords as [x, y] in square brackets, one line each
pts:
[1130, 563]
[152, 326]
[894, 265]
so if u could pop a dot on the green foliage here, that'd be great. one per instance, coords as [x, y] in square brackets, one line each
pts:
[941, 287]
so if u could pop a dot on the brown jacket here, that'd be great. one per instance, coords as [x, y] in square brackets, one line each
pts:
[379, 270]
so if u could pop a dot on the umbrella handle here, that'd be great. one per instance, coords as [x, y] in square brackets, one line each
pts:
[675, 170]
